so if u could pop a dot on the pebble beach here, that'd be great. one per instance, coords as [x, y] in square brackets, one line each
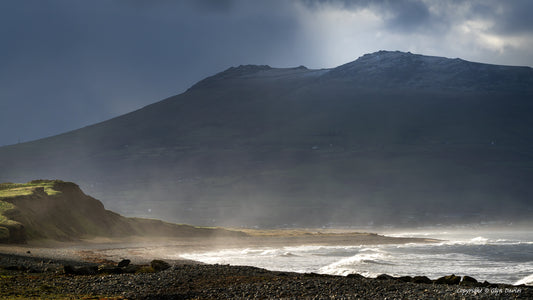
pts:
[42, 273]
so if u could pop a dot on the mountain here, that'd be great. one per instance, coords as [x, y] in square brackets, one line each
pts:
[57, 210]
[405, 70]
[391, 138]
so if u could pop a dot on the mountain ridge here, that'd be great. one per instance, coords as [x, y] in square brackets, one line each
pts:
[247, 70]
[419, 71]
[387, 62]
[356, 144]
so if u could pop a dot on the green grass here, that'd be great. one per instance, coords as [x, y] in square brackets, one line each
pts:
[9, 190]
[16, 191]
[24, 189]
[4, 206]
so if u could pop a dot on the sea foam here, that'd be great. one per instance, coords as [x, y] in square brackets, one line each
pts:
[493, 256]
[528, 280]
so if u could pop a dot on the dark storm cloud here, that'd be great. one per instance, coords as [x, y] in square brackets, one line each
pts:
[399, 15]
[509, 17]
[91, 60]
[406, 15]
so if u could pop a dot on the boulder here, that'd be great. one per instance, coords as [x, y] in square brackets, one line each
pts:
[84, 270]
[131, 269]
[15, 268]
[468, 281]
[312, 274]
[421, 279]
[159, 265]
[405, 278]
[486, 284]
[450, 279]
[355, 275]
[384, 277]
[124, 263]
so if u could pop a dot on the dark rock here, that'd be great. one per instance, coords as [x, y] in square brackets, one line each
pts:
[421, 279]
[450, 279]
[405, 279]
[312, 274]
[355, 275]
[68, 269]
[124, 263]
[131, 269]
[159, 265]
[384, 277]
[16, 268]
[84, 270]
[486, 283]
[468, 281]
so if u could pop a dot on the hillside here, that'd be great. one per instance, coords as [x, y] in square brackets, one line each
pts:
[390, 138]
[57, 210]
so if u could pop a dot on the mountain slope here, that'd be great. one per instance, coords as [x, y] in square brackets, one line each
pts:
[390, 138]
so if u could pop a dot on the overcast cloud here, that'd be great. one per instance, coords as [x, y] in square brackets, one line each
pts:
[65, 64]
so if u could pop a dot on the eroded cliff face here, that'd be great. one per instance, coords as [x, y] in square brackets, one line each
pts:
[61, 211]
[12, 232]
[65, 215]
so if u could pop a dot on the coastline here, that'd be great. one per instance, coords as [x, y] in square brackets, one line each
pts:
[43, 272]
[143, 249]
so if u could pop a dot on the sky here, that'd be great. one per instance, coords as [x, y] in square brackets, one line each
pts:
[66, 64]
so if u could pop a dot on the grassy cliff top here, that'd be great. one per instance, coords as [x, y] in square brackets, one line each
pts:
[23, 189]
[9, 190]
[58, 210]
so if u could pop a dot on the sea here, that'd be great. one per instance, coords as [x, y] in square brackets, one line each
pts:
[496, 256]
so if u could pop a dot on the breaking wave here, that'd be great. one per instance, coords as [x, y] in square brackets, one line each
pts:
[528, 280]
[495, 257]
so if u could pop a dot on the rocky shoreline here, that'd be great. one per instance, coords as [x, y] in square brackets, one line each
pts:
[27, 277]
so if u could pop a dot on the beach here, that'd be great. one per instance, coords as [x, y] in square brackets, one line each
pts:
[37, 270]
